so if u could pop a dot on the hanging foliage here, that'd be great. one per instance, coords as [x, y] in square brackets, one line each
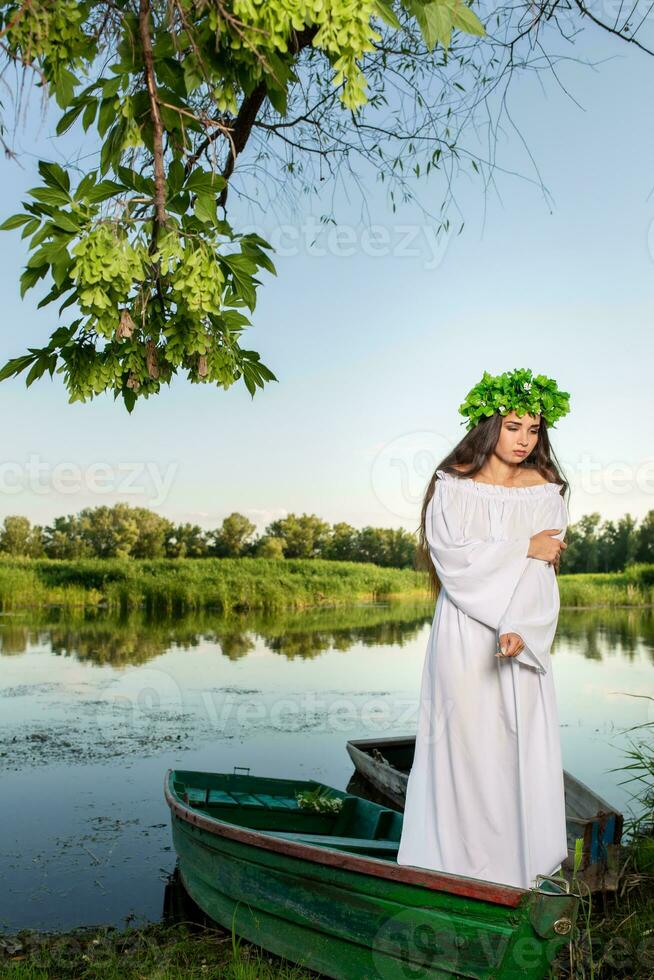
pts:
[149, 277]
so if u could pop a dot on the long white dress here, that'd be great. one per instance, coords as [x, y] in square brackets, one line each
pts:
[485, 793]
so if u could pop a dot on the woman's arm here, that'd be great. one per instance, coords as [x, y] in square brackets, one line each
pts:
[479, 576]
[533, 609]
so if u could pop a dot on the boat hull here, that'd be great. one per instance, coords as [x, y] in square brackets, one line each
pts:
[355, 918]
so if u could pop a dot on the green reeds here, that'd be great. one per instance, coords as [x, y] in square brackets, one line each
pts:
[616, 940]
[634, 587]
[181, 585]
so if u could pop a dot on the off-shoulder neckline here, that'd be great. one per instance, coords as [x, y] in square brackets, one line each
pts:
[467, 483]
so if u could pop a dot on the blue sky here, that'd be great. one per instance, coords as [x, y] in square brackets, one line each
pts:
[375, 352]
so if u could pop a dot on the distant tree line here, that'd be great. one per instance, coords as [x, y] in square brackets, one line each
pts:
[123, 531]
[595, 545]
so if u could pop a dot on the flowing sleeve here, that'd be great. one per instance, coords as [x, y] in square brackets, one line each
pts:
[478, 575]
[533, 609]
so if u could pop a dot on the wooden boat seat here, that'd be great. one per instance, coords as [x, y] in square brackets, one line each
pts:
[358, 845]
[220, 797]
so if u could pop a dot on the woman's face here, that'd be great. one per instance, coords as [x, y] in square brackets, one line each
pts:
[518, 436]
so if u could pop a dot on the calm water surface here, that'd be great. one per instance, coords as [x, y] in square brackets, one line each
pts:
[93, 711]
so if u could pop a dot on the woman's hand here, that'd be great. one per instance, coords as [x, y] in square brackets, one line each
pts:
[545, 547]
[511, 644]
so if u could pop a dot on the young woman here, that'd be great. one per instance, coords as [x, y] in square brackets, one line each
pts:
[485, 794]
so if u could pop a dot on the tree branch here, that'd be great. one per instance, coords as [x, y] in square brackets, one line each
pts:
[239, 133]
[241, 130]
[611, 30]
[157, 126]
[20, 13]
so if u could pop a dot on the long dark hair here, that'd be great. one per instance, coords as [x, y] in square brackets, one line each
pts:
[472, 452]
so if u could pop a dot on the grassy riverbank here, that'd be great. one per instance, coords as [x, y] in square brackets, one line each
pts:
[634, 587]
[183, 585]
[615, 938]
[180, 585]
[154, 952]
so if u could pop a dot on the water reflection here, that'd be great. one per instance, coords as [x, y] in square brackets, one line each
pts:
[137, 638]
[598, 633]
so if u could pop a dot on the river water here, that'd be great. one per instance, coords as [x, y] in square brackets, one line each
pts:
[94, 710]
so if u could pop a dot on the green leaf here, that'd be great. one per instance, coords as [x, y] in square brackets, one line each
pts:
[260, 257]
[64, 86]
[135, 181]
[254, 372]
[69, 302]
[15, 221]
[171, 74]
[104, 190]
[62, 335]
[84, 186]
[49, 195]
[175, 176]
[385, 11]
[439, 23]
[111, 87]
[251, 356]
[193, 76]
[37, 370]
[15, 366]
[278, 99]
[437, 18]
[54, 176]
[89, 113]
[434, 19]
[464, 19]
[205, 208]
[31, 276]
[60, 270]
[66, 222]
[201, 181]
[107, 115]
[42, 235]
[256, 239]
[54, 294]
[129, 397]
[238, 263]
[69, 118]
[179, 203]
[110, 153]
[30, 227]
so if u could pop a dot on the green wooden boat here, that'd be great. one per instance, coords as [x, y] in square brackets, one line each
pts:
[324, 890]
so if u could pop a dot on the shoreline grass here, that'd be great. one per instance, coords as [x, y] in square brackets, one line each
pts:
[633, 587]
[175, 586]
[614, 938]
[181, 951]
[227, 585]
